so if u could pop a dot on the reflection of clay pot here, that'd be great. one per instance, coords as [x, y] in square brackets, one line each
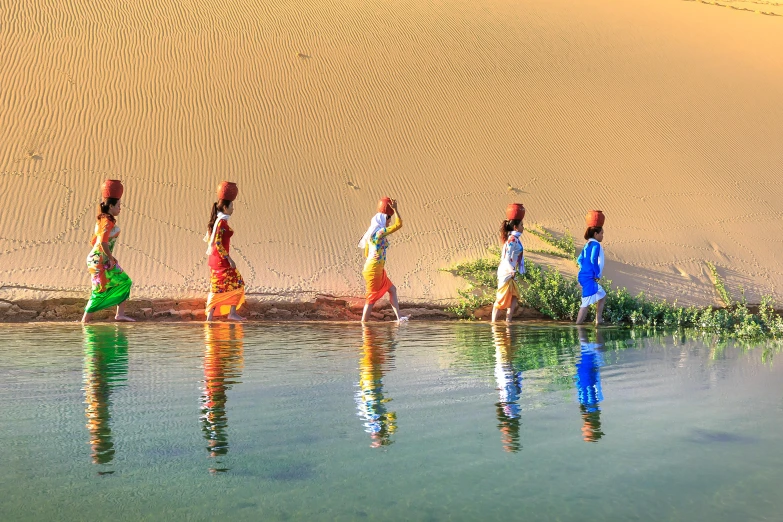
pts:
[227, 191]
[595, 218]
[112, 189]
[384, 206]
[515, 211]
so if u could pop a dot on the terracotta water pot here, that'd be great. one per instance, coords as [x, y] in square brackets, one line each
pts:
[384, 206]
[595, 218]
[515, 211]
[227, 191]
[112, 189]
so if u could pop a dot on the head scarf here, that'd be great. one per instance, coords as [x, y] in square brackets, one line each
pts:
[378, 222]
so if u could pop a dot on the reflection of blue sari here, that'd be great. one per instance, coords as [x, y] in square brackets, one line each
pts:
[588, 378]
[588, 389]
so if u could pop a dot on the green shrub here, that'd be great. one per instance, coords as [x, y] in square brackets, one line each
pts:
[481, 275]
[720, 286]
[550, 292]
[563, 246]
[558, 296]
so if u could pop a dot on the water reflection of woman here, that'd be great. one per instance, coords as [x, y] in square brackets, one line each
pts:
[105, 368]
[588, 385]
[377, 358]
[222, 369]
[509, 381]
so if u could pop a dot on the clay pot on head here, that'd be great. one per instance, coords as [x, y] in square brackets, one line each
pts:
[227, 191]
[595, 218]
[384, 206]
[515, 211]
[112, 189]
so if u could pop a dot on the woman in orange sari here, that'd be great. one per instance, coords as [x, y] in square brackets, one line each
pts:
[227, 288]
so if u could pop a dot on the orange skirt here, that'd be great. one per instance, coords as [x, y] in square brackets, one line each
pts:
[378, 283]
[227, 289]
[223, 301]
[505, 294]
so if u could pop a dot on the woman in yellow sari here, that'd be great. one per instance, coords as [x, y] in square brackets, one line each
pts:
[374, 243]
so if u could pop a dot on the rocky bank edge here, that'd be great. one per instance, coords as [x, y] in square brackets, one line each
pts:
[323, 308]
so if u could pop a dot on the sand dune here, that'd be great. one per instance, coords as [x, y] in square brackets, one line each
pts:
[667, 114]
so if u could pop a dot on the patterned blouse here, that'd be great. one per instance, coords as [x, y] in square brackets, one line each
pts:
[106, 231]
[218, 259]
[512, 258]
[375, 251]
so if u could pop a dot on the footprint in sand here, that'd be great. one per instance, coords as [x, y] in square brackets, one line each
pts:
[67, 76]
[717, 249]
[33, 150]
[682, 272]
[303, 56]
[353, 185]
[30, 155]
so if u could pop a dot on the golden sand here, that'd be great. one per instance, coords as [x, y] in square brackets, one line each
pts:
[666, 114]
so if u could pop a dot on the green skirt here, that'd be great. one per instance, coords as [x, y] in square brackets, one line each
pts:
[116, 290]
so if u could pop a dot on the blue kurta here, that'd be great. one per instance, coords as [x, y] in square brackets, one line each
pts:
[591, 267]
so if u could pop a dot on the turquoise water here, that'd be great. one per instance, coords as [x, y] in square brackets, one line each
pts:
[428, 421]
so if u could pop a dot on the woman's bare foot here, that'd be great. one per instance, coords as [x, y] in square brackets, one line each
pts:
[233, 316]
[120, 315]
[403, 319]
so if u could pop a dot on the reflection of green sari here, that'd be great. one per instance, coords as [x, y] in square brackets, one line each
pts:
[105, 367]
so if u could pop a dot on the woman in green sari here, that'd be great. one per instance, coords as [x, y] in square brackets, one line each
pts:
[110, 284]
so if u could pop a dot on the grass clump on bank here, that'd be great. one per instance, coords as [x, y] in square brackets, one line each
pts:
[558, 296]
[561, 246]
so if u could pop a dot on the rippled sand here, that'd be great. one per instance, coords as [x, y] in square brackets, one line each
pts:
[665, 114]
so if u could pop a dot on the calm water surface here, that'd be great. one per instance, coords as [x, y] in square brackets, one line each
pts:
[428, 421]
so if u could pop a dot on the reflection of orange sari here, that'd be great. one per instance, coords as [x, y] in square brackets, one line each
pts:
[222, 368]
[370, 401]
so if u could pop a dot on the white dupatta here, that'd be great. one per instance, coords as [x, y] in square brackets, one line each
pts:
[378, 223]
[210, 240]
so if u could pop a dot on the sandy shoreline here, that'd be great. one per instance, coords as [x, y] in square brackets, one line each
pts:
[323, 308]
